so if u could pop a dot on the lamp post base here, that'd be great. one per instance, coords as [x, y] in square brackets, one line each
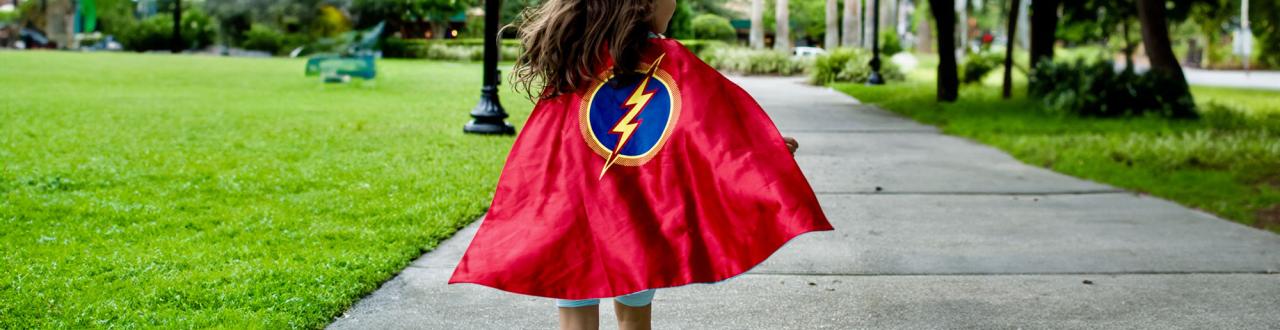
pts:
[488, 116]
[489, 128]
[875, 79]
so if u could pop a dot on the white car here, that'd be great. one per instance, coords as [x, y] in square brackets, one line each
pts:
[808, 51]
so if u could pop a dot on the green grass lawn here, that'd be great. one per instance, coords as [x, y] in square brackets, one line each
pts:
[1230, 170]
[191, 191]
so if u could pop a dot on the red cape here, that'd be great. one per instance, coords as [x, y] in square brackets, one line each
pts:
[702, 189]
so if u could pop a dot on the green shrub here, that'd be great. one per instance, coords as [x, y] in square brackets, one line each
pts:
[1096, 89]
[850, 65]
[700, 47]
[198, 30]
[436, 51]
[681, 26]
[263, 38]
[754, 62]
[153, 33]
[444, 50]
[978, 65]
[713, 27]
[889, 43]
[472, 42]
[402, 48]
[10, 16]
[156, 32]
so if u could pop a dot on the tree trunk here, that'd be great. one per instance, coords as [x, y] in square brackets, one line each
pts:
[177, 27]
[1008, 49]
[944, 14]
[832, 38]
[782, 19]
[1155, 39]
[851, 31]
[1044, 26]
[757, 24]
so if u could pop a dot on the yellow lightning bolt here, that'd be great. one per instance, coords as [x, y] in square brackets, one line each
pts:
[627, 125]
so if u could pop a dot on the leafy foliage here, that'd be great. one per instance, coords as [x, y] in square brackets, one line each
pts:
[461, 50]
[742, 60]
[1264, 20]
[681, 25]
[712, 27]
[978, 65]
[1096, 89]
[156, 32]
[850, 65]
[397, 13]
[263, 38]
[889, 43]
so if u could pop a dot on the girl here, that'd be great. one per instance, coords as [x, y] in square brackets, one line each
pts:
[640, 168]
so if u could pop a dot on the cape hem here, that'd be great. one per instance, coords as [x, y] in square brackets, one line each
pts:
[714, 281]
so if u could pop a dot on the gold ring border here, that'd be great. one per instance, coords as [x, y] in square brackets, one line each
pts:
[584, 121]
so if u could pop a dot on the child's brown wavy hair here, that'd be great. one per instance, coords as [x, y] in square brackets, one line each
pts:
[564, 43]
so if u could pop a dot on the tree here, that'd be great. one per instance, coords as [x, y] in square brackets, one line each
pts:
[1101, 20]
[832, 39]
[398, 13]
[709, 7]
[851, 30]
[944, 14]
[713, 27]
[1044, 26]
[1007, 91]
[681, 26]
[1155, 39]
[1212, 17]
[782, 34]
[757, 24]
[1264, 20]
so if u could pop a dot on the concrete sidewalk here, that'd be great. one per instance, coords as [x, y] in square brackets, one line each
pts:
[932, 231]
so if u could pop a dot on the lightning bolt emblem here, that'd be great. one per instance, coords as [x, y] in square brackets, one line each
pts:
[627, 125]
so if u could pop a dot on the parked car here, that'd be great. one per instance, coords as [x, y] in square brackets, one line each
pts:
[808, 51]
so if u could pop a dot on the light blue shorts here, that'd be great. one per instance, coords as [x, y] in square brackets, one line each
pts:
[638, 299]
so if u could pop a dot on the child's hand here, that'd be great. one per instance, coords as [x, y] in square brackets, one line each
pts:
[792, 144]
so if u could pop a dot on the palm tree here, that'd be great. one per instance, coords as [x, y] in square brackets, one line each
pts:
[851, 30]
[757, 24]
[782, 35]
[832, 39]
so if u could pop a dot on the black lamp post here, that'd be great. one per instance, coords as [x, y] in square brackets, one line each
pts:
[488, 117]
[875, 78]
[176, 46]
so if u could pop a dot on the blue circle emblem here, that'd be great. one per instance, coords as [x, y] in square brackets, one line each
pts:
[608, 118]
